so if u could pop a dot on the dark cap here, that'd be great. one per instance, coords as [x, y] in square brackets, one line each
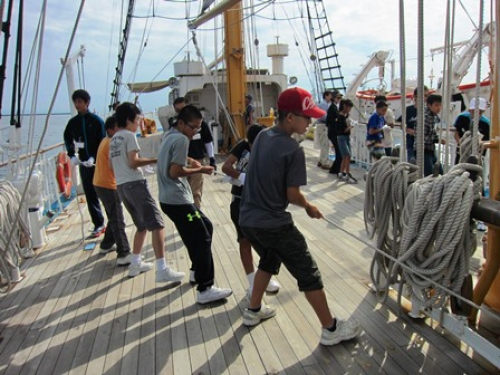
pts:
[249, 97]
[336, 94]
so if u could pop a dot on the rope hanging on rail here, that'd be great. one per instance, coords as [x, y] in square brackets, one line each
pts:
[11, 251]
[438, 237]
[424, 224]
[387, 185]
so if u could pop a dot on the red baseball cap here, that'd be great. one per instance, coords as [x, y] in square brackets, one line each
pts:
[300, 102]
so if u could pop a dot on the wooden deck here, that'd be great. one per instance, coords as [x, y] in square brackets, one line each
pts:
[77, 313]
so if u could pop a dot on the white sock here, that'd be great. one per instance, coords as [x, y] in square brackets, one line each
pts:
[161, 264]
[250, 277]
[136, 259]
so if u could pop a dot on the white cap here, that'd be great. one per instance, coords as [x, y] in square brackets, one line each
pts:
[482, 104]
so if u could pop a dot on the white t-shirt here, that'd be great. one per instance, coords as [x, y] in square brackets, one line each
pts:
[389, 117]
[123, 142]
[388, 140]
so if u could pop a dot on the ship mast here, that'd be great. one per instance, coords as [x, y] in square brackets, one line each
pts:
[235, 65]
[234, 56]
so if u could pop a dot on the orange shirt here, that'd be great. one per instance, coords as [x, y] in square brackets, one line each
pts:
[103, 175]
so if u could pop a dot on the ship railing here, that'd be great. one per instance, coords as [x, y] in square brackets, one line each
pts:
[17, 168]
[445, 153]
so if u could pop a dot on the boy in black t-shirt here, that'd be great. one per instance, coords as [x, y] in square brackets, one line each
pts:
[235, 167]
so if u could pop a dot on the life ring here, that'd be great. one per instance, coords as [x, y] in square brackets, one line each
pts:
[63, 174]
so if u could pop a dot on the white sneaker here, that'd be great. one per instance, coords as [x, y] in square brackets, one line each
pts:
[141, 267]
[124, 261]
[192, 280]
[168, 275]
[252, 318]
[212, 294]
[346, 330]
[104, 250]
[273, 286]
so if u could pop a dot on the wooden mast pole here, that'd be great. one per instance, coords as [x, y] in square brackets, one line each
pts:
[235, 66]
[487, 288]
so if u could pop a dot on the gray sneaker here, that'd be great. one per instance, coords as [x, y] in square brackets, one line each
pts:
[346, 330]
[212, 294]
[168, 275]
[252, 318]
[104, 250]
[124, 261]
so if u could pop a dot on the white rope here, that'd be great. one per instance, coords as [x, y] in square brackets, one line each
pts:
[438, 238]
[387, 186]
[422, 229]
[402, 67]
[11, 226]
[466, 146]
[420, 105]
[403, 266]
[475, 122]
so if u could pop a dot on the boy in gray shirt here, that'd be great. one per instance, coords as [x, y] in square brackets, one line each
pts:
[275, 172]
[133, 191]
[176, 200]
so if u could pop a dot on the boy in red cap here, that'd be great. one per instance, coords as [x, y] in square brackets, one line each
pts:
[277, 166]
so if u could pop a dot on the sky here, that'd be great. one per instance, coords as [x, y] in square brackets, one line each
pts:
[359, 29]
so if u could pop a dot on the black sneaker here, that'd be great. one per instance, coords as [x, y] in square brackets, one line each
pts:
[351, 180]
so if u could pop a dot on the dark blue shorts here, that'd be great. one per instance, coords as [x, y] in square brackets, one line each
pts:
[234, 210]
[344, 145]
[288, 246]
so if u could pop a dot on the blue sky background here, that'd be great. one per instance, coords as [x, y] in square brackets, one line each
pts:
[359, 28]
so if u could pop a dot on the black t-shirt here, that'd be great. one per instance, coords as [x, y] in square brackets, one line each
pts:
[197, 145]
[341, 124]
[463, 123]
[242, 152]
[411, 123]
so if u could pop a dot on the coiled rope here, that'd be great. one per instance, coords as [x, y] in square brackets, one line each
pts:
[11, 226]
[466, 148]
[424, 224]
[387, 185]
[438, 237]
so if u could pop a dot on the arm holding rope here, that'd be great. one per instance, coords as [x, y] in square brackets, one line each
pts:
[295, 196]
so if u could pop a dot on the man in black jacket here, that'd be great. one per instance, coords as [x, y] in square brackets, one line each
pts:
[82, 135]
[331, 116]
